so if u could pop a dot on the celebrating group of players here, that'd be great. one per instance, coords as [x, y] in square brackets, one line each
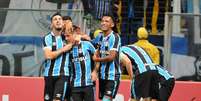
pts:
[74, 62]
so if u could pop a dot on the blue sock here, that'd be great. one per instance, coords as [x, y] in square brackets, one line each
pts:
[106, 98]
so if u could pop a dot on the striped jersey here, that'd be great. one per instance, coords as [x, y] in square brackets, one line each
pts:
[139, 58]
[109, 70]
[81, 64]
[164, 73]
[60, 65]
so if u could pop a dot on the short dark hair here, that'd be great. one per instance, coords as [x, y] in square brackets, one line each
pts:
[55, 14]
[111, 16]
[66, 18]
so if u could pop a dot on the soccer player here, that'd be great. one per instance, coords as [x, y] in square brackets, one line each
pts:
[147, 75]
[145, 80]
[109, 70]
[56, 71]
[82, 67]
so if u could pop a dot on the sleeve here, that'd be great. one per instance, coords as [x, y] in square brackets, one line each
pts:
[97, 40]
[91, 48]
[47, 42]
[114, 43]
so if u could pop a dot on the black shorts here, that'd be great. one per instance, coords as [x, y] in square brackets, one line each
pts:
[56, 87]
[83, 93]
[108, 88]
[166, 89]
[146, 85]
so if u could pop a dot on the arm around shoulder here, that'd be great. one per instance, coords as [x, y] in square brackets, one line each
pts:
[49, 54]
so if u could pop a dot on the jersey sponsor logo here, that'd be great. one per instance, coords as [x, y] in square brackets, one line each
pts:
[78, 59]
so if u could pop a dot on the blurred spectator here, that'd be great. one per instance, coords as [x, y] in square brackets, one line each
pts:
[102, 7]
[151, 49]
[116, 9]
[87, 4]
[97, 32]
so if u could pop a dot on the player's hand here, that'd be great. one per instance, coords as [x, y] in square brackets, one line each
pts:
[96, 58]
[77, 38]
[97, 53]
[67, 47]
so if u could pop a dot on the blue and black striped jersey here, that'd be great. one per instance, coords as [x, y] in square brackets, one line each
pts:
[60, 65]
[164, 73]
[81, 63]
[141, 61]
[109, 70]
